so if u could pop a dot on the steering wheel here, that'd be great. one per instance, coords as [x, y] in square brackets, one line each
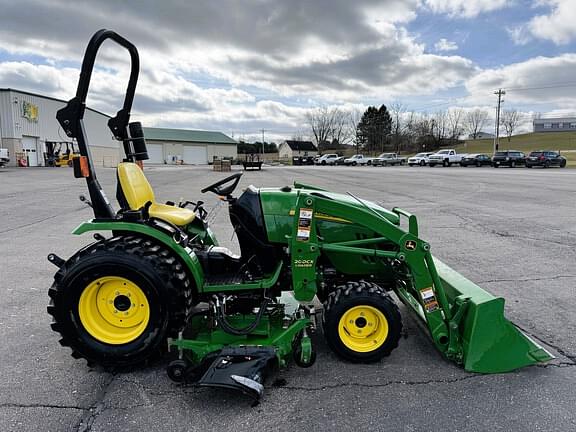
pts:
[218, 188]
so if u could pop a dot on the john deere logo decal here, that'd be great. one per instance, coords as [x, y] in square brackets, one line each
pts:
[410, 245]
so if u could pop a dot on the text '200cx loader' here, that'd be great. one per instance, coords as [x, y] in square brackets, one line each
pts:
[119, 300]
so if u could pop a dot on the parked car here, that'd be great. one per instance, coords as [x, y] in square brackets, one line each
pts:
[476, 160]
[338, 161]
[357, 159]
[303, 160]
[4, 156]
[511, 158]
[546, 159]
[325, 159]
[419, 159]
[444, 158]
[387, 159]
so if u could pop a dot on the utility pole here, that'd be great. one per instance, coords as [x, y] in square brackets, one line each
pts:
[263, 130]
[499, 93]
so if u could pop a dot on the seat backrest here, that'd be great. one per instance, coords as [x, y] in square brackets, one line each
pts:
[134, 185]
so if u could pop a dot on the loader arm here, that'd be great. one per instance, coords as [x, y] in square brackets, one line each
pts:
[466, 323]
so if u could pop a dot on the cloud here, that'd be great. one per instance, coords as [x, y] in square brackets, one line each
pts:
[465, 8]
[445, 45]
[538, 80]
[208, 64]
[558, 25]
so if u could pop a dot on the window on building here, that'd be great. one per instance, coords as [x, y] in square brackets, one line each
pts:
[572, 125]
[547, 125]
[560, 125]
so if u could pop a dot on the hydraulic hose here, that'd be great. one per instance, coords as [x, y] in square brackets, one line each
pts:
[228, 328]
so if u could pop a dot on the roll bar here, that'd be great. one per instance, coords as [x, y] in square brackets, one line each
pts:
[71, 117]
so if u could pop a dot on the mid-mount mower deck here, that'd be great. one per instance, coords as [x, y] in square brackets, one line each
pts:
[118, 301]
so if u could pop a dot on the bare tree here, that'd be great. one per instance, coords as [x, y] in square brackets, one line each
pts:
[320, 121]
[475, 121]
[341, 131]
[330, 125]
[298, 135]
[439, 126]
[397, 110]
[354, 118]
[510, 120]
[455, 120]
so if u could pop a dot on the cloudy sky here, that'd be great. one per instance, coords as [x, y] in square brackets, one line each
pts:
[240, 66]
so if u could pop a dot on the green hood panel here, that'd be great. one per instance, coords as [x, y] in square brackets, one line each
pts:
[278, 208]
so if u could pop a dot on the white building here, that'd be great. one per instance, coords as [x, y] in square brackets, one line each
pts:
[291, 148]
[28, 120]
[192, 147]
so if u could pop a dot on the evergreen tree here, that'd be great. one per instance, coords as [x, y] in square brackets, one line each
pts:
[374, 128]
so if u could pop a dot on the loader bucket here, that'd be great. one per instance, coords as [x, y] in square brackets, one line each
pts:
[491, 343]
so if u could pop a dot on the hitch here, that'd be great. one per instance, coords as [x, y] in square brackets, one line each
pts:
[56, 260]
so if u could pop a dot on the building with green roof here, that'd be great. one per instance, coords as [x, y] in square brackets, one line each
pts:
[192, 147]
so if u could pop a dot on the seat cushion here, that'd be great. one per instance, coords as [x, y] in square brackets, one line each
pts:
[175, 215]
[137, 192]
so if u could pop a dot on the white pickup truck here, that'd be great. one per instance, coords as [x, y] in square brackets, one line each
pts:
[387, 159]
[357, 159]
[444, 158]
[4, 157]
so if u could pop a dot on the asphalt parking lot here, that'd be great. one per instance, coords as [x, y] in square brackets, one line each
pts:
[512, 231]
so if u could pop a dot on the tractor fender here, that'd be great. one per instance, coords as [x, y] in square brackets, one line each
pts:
[187, 255]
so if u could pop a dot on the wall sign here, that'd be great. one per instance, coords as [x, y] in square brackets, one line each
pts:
[30, 111]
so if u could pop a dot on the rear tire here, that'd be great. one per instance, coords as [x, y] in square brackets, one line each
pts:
[547, 164]
[563, 163]
[422, 163]
[361, 323]
[513, 164]
[117, 271]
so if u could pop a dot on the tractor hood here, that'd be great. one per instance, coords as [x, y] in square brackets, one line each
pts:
[278, 208]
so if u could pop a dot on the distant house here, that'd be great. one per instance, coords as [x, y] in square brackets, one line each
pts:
[289, 149]
[560, 124]
[482, 135]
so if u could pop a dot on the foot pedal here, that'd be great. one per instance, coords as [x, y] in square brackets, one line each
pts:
[243, 369]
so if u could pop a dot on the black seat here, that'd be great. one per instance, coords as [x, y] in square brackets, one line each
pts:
[247, 219]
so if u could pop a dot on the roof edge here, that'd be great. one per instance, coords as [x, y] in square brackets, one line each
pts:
[9, 89]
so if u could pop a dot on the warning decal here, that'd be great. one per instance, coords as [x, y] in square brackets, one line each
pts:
[429, 299]
[304, 223]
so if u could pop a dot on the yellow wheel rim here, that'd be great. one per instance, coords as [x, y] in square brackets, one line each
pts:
[114, 310]
[363, 328]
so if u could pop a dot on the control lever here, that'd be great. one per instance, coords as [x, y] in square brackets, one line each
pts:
[197, 207]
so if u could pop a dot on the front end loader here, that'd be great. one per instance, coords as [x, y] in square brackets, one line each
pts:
[155, 276]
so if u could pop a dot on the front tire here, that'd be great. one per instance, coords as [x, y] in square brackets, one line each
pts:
[115, 302]
[361, 322]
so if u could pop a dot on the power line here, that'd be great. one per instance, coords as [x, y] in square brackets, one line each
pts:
[561, 85]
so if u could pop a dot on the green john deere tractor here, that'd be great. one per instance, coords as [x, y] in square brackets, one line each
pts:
[159, 278]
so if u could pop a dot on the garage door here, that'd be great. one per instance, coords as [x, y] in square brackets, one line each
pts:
[30, 150]
[195, 155]
[155, 154]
